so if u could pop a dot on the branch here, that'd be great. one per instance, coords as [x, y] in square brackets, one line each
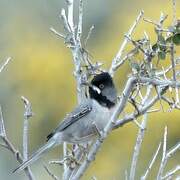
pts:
[117, 58]
[27, 114]
[11, 148]
[151, 163]
[171, 172]
[65, 174]
[70, 4]
[79, 28]
[137, 147]
[163, 163]
[166, 155]
[57, 33]
[2, 128]
[50, 173]
[140, 112]
[5, 64]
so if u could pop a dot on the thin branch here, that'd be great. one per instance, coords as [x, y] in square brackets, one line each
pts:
[171, 172]
[64, 163]
[50, 173]
[158, 82]
[174, 71]
[117, 58]
[79, 28]
[27, 114]
[144, 177]
[163, 161]
[70, 15]
[137, 147]
[18, 156]
[173, 150]
[174, 11]
[5, 64]
[2, 128]
[89, 35]
[150, 21]
[57, 33]
[64, 19]
[141, 111]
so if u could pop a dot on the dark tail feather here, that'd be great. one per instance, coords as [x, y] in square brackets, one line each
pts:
[35, 156]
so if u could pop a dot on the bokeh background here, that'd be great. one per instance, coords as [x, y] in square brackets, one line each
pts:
[42, 71]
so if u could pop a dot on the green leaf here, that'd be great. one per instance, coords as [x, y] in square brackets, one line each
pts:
[162, 42]
[155, 47]
[176, 39]
[169, 39]
[161, 55]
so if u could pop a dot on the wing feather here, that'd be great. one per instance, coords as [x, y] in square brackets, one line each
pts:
[79, 112]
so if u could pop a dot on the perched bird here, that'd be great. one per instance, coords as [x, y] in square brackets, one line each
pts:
[84, 122]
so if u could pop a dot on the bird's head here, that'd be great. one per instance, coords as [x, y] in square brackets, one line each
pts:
[103, 90]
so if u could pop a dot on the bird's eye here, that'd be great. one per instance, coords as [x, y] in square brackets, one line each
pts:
[101, 86]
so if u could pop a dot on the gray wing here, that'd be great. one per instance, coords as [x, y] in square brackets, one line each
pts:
[79, 112]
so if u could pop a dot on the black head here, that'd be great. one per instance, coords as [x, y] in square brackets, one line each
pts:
[102, 89]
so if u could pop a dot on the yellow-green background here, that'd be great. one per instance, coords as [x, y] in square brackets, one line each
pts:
[42, 71]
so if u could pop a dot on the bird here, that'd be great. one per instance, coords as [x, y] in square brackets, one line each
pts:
[85, 121]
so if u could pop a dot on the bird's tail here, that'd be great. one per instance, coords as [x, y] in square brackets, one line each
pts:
[35, 156]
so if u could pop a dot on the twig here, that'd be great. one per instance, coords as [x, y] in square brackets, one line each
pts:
[57, 33]
[8, 145]
[144, 177]
[70, 4]
[137, 148]
[64, 19]
[150, 21]
[142, 110]
[2, 128]
[158, 82]
[174, 71]
[117, 58]
[173, 150]
[171, 172]
[27, 114]
[174, 11]
[88, 36]
[79, 28]
[64, 163]
[162, 165]
[50, 173]
[5, 64]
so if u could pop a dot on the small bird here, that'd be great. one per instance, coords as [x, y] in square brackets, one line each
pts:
[84, 122]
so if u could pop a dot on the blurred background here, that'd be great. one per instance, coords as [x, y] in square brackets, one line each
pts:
[42, 71]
